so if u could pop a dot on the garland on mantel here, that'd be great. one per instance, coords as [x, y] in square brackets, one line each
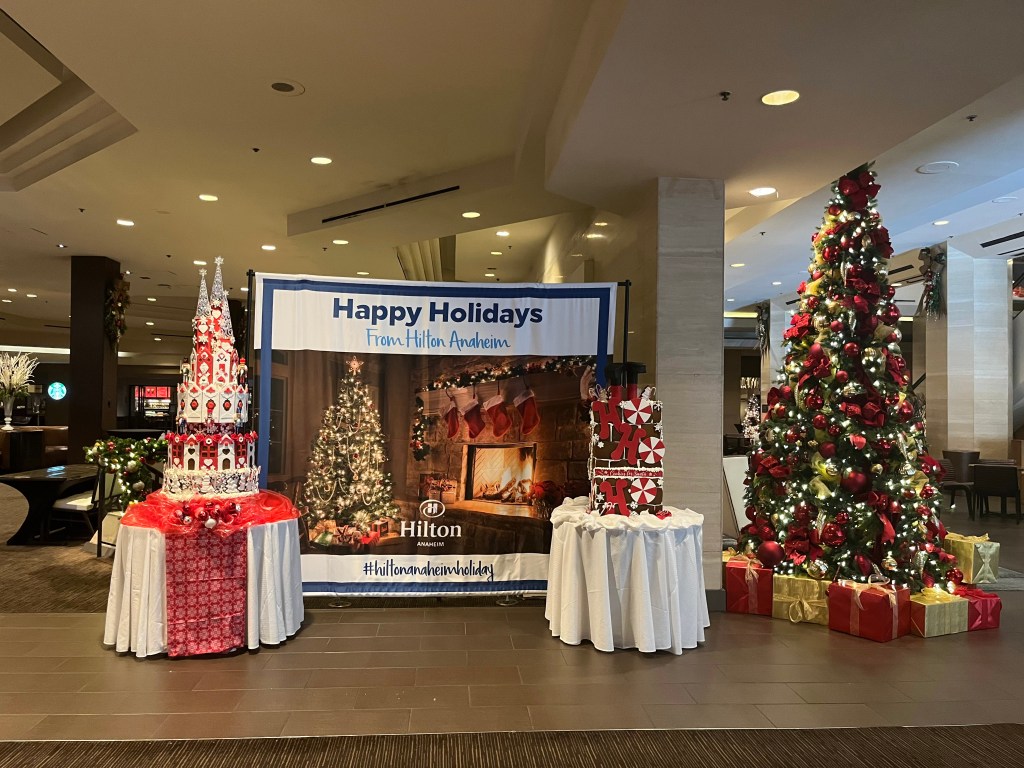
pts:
[490, 373]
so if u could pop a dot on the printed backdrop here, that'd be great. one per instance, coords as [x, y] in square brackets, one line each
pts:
[425, 430]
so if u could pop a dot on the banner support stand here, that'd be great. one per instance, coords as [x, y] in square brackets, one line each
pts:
[250, 324]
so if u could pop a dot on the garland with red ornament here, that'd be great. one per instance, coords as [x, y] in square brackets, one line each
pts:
[840, 482]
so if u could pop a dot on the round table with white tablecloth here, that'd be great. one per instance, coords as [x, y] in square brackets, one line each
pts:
[137, 603]
[626, 582]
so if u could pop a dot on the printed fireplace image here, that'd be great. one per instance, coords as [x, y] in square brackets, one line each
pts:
[367, 442]
[500, 474]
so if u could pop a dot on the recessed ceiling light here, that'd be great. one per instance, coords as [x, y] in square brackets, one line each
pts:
[150, 298]
[126, 222]
[470, 215]
[502, 233]
[199, 262]
[939, 166]
[600, 223]
[209, 198]
[940, 222]
[779, 98]
[288, 87]
[269, 247]
[897, 285]
[127, 272]
[1004, 199]
[594, 235]
[340, 242]
[738, 264]
[776, 282]
[244, 290]
[488, 274]
[157, 338]
[61, 245]
[320, 160]
[762, 191]
[8, 301]
[150, 322]
[730, 299]
[362, 273]
[495, 253]
[12, 290]
[31, 296]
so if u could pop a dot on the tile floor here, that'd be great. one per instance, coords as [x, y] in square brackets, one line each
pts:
[490, 669]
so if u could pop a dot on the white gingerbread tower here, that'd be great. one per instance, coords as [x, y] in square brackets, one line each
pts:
[209, 454]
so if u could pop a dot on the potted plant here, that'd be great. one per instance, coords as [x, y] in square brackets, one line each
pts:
[15, 378]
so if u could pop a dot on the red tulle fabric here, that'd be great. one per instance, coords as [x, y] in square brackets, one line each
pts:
[164, 513]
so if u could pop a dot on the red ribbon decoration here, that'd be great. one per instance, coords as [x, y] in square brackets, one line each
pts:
[163, 513]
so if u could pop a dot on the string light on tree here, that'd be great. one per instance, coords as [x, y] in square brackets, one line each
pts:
[841, 479]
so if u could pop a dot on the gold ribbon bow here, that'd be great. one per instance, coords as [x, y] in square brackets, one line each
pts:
[818, 487]
[936, 596]
[857, 607]
[800, 608]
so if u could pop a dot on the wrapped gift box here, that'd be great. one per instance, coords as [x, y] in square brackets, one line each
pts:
[976, 556]
[879, 612]
[935, 612]
[799, 598]
[983, 608]
[748, 586]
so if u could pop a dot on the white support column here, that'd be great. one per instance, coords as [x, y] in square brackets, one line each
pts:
[690, 350]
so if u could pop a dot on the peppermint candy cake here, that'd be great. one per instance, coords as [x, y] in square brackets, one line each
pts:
[627, 453]
[210, 454]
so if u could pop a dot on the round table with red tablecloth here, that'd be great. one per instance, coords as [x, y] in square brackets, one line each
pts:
[186, 589]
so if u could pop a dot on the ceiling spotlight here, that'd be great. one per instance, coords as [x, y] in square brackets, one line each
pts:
[288, 87]
[594, 235]
[762, 191]
[897, 285]
[779, 98]
[8, 301]
[199, 262]
[127, 271]
[776, 282]
[126, 222]
[61, 245]
[269, 247]
[31, 296]
[150, 322]
[470, 215]
[940, 222]
[1004, 199]
[12, 290]
[488, 274]
[939, 166]
[340, 242]
[320, 160]
[150, 298]
[364, 274]
[157, 338]
[495, 253]
[244, 290]
[209, 198]
[730, 299]
[737, 264]
[502, 233]
[600, 223]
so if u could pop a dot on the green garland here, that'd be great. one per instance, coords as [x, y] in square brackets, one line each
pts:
[506, 371]
[116, 305]
[420, 424]
[129, 459]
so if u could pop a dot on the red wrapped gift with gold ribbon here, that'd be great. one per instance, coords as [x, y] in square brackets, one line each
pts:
[877, 611]
[748, 586]
[983, 608]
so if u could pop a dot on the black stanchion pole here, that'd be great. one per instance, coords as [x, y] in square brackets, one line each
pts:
[249, 325]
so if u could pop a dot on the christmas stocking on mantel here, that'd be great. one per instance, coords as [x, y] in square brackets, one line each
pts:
[451, 418]
[469, 407]
[526, 403]
[496, 411]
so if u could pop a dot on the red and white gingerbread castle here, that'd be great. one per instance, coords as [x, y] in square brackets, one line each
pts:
[626, 452]
[210, 454]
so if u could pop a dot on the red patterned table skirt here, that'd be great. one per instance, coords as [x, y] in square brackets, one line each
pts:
[206, 596]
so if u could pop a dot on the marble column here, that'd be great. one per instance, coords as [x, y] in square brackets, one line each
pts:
[92, 387]
[968, 359]
[690, 350]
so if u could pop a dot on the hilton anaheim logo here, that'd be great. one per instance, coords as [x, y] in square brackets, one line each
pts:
[429, 529]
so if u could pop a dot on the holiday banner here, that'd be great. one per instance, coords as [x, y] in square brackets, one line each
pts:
[425, 431]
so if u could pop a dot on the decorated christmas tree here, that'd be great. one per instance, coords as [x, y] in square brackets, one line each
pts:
[752, 416]
[840, 482]
[347, 495]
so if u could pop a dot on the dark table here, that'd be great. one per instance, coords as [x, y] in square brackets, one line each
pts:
[42, 487]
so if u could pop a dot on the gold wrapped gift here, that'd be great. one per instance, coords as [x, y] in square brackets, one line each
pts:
[798, 598]
[935, 612]
[976, 556]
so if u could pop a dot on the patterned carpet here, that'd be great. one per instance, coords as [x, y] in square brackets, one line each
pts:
[934, 747]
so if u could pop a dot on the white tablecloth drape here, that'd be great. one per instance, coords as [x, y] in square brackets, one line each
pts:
[626, 582]
[137, 603]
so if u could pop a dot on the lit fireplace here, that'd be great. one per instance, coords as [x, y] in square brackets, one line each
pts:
[501, 474]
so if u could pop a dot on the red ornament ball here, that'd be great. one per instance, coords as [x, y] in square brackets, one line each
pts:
[923, 511]
[770, 553]
[786, 392]
[905, 412]
[817, 274]
[842, 518]
[855, 481]
[955, 575]
[834, 430]
[751, 513]
[812, 303]
[814, 401]
[842, 377]
[765, 532]
[793, 459]
[819, 421]
[851, 349]
[836, 326]
[832, 535]
[827, 450]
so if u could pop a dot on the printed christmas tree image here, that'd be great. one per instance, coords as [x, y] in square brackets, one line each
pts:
[347, 498]
[752, 416]
[840, 482]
